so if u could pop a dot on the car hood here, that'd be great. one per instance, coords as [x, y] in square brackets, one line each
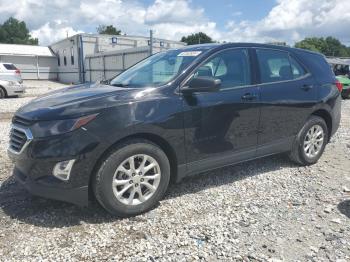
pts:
[76, 101]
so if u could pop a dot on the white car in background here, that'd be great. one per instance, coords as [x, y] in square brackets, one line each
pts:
[11, 88]
[10, 72]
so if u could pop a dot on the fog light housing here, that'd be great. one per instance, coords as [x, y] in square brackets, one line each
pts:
[62, 169]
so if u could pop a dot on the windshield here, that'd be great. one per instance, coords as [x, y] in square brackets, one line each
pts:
[156, 70]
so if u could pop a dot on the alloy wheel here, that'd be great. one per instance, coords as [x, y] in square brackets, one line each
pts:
[313, 141]
[136, 179]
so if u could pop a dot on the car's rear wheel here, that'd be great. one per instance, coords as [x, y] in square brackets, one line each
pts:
[132, 179]
[310, 142]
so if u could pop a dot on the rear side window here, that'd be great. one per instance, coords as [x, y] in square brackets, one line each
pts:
[232, 67]
[276, 66]
[10, 67]
[297, 69]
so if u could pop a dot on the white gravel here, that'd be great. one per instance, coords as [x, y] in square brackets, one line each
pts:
[33, 89]
[8, 105]
[36, 88]
[263, 210]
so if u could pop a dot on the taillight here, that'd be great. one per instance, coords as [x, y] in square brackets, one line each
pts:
[17, 72]
[339, 85]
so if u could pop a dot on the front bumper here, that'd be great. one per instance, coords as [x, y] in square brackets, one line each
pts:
[34, 166]
[77, 196]
[15, 90]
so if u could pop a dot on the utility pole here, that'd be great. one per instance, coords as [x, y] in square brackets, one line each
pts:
[150, 42]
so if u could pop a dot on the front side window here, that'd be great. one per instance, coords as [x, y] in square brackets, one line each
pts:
[276, 66]
[231, 67]
[156, 70]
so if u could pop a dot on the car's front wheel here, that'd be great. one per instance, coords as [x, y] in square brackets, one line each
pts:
[2, 93]
[132, 179]
[310, 142]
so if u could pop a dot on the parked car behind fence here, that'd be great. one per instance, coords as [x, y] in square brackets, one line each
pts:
[11, 88]
[10, 72]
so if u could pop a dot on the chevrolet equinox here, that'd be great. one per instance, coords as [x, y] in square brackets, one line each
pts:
[174, 114]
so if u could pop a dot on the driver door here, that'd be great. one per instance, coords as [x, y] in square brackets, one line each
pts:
[221, 126]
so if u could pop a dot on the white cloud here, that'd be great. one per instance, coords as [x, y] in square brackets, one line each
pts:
[177, 30]
[175, 11]
[293, 20]
[289, 20]
[53, 32]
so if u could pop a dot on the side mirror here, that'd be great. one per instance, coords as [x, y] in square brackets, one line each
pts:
[202, 84]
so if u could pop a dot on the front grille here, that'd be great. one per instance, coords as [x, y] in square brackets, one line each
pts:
[19, 139]
[16, 120]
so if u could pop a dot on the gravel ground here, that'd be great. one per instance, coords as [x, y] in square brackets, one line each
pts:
[36, 88]
[263, 210]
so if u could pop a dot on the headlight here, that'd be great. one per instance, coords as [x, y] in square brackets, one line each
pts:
[56, 127]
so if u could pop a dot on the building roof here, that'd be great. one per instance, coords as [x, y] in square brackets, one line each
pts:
[118, 36]
[25, 50]
[338, 61]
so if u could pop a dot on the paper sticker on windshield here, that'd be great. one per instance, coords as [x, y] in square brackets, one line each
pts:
[190, 53]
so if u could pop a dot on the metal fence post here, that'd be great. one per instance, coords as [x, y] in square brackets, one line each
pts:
[37, 67]
[150, 42]
[90, 69]
[104, 67]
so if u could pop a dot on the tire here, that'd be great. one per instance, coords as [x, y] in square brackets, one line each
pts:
[2, 93]
[112, 169]
[305, 157]
[345, 94]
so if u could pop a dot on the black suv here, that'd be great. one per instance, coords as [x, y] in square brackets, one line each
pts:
[174, 114]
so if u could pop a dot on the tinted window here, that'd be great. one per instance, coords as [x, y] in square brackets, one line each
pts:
[58, 59]
[72, 56]
[10, 67]
[231, 67]
[274, 66]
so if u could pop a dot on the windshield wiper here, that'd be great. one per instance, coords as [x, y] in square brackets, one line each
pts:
[105, 82]
[119, 84]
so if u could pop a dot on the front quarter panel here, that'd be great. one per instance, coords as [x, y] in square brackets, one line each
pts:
[157, 113]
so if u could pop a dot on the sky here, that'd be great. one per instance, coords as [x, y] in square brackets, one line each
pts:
[224, 20]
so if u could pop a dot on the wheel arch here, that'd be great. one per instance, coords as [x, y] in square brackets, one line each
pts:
[4, 89]
[326, 116]
[153, 138]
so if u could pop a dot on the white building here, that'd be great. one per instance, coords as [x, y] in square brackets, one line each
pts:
[82, 57]
[34, 62]
[73, 51]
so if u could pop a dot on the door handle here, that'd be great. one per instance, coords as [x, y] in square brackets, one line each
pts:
[249, 97]
[306, 87]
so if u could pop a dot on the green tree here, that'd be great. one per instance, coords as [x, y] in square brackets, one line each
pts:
[197, 38]
[328, 46]
[13, 31]
[108, 30]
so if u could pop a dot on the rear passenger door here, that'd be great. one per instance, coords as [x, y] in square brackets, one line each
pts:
[287, 96]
